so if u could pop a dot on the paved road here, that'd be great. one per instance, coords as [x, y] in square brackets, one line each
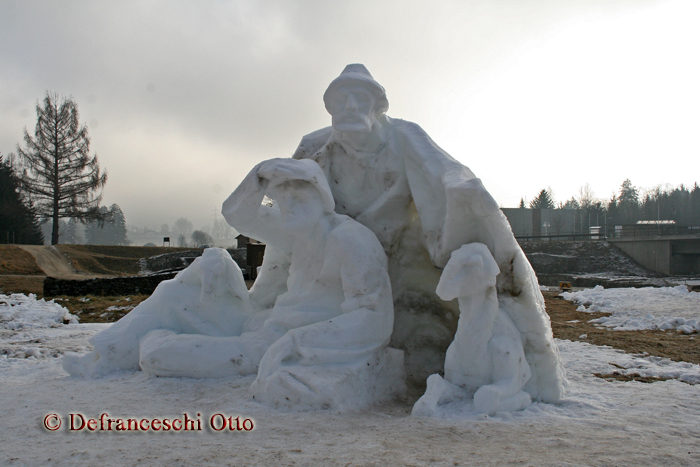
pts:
[53, 263]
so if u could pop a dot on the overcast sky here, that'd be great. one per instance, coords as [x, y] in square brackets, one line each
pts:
[182, 98]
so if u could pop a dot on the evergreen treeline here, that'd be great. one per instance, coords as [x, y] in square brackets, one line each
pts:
[628, 205]
[18, 220]
[111, 231]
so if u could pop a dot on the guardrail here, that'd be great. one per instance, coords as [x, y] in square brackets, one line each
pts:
[647, 230]
[561, 237]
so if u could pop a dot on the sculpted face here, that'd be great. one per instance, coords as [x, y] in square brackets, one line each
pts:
[353, 109]
[300, 204]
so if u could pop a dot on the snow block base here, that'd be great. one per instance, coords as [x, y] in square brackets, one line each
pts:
[348, 387]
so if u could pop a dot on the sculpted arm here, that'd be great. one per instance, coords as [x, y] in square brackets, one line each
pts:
[244, 211]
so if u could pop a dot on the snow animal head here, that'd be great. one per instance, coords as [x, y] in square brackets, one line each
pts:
[470, 270]
[354, 99]
[217, 273]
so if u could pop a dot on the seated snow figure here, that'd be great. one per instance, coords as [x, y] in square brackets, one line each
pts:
[422, 204]
[209, 297]
[330, 327]
[486, 358]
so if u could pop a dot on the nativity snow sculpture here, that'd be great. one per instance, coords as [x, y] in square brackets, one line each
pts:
[486, 360]
[365, 218]
[324, 342]
[422, 205]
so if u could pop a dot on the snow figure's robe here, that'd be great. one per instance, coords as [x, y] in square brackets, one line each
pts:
[422, 205]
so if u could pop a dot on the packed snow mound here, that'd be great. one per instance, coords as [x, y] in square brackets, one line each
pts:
[26, 323]
[635, 309]
[21, 312]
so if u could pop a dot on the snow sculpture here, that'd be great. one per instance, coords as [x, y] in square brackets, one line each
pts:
[322, 345]
[209, 297]
[422, 205]
[486, 358]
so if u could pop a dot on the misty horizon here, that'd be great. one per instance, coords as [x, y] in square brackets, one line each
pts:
[181, 100]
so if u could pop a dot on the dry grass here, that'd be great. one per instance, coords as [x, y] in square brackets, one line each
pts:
[22, 284]
[14, 260]
[109, 259]
[96, 309]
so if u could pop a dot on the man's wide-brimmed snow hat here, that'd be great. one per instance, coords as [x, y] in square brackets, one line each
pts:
[358, 73]
[281, 170]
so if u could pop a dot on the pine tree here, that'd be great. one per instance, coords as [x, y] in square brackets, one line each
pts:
[543, 200]
[628, 203]
[118, 224]
[18, 220]
[71, 235]
[59, 173]
[110, 230]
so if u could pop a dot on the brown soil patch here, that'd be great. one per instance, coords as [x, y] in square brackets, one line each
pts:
[567, 323]
[617, 376]
[14, 260]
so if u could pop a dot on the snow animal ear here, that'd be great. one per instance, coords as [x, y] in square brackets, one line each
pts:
[470, 270]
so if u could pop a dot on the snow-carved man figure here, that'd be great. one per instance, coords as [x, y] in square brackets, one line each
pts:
[422, 205]
[486, 359]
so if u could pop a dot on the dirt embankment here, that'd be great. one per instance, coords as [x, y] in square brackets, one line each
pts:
[587, 264]
[16, 261]
[52, 262]
[23, 267]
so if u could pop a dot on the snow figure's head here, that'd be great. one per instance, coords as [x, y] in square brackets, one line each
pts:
[218, 275]
[355, 100]
[300, 191]
[471, 270]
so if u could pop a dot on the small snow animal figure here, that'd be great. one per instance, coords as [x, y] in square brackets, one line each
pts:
[486, 358]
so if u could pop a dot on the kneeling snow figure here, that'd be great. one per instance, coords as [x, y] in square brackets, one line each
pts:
[486, 358]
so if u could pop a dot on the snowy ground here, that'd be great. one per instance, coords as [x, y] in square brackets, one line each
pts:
[599, 422]
[634, 309]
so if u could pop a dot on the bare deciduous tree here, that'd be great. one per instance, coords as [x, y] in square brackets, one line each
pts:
[59, 174]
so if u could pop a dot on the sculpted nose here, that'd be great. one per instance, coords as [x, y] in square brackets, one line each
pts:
[351, 104]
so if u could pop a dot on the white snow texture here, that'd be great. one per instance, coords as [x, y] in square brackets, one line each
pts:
[635, 309]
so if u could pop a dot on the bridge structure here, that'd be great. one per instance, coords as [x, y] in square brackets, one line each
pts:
[675, 255]
[663, 247]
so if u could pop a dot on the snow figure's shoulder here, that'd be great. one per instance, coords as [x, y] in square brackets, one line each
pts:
[416, 145]
[312, 142]
[406, 127]
[356, 239]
